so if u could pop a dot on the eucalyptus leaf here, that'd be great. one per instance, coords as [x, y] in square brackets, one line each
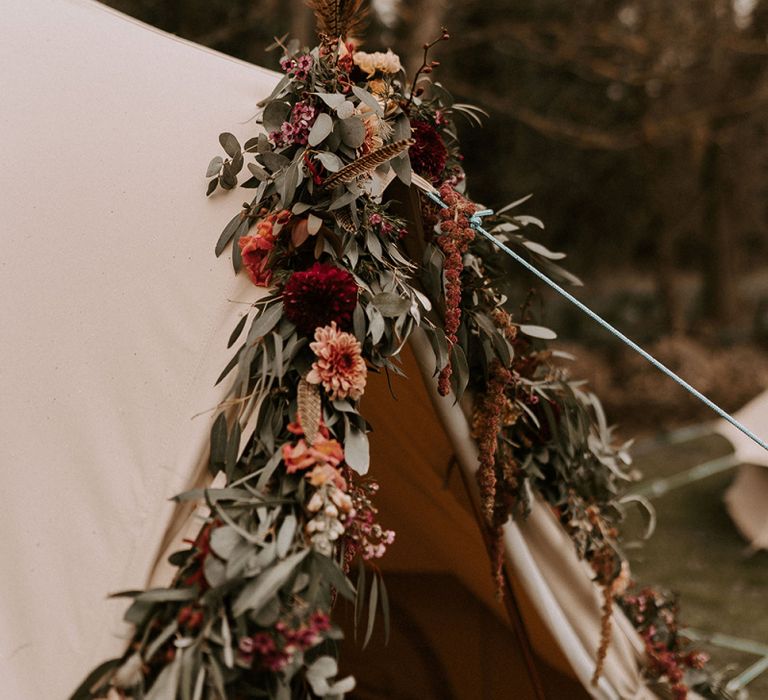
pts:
[230, 144]
[224, 539]
[330, 161]
[322, 127]
[352, 131]
[228, 233]
[538, 332]
[274, 162]
[218, 450]
[313, 224]
[402, 128]
[391, 305]
[333, 99]
[345, 110]
[165, 595]
[259, 591]
[402, 167]
[372, 604]
[285, 535]
[460, 374]
[258, 172]
[356, 450]
[542, 250]
[265, 321]
[237, 331]
[368, 99]
[275, 113]
[167, 683]
[214, 166]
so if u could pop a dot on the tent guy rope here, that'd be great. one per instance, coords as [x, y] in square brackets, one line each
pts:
[476, 222]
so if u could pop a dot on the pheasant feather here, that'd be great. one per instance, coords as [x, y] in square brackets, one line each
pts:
[368, 162]
[338, 18]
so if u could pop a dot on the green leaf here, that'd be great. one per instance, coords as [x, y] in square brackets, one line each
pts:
[402, 129]
[265, 321]
[233, 447]
[218, 455]
[212, 185]
[223, 540]
[165, 595]
[357, 453]
[275, 113]
[285, 535]
[258, 592]
[167, 684]
[391, 305]
[230, 144]
[331, 162]
[226, 636]
[214, 166]
[384, 607]
[367, 98]
[373, 601]
[352, 131]
[238, 330]
[228, 233]
[331, 572]
[232, 363]
[320, 129]
[402, 167]
[161, 638]
[95, 678]
[542, 250]
[258, 171]
[360, 597]
[538, 332]
[333, 99]
[274, 161]
[460, 375]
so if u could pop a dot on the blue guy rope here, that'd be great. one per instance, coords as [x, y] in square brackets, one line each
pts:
[476, 222]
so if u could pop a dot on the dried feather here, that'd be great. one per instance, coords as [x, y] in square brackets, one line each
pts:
[344, 220]
[368, 162]
[338, 18]
[310, 409]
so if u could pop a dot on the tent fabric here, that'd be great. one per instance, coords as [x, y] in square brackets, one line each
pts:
[747, 497]
[543, 562]
[116, 316]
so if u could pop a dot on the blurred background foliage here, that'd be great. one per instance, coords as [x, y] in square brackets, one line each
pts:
[639, 127]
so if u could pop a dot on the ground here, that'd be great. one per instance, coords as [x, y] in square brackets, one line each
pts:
[697, 551]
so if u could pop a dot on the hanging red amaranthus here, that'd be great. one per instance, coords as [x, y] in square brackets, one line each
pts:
[456, 233]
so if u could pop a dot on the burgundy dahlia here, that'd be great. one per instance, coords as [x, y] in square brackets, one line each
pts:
[318, 296]
[428, 154]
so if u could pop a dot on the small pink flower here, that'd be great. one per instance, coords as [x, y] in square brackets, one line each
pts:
[339, 367]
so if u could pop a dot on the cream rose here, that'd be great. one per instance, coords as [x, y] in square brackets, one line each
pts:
[388, 62]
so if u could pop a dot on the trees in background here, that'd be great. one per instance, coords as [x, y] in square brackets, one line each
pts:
[640, 126]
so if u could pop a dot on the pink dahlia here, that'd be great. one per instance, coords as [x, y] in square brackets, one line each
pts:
[321, 295]
[339, 367]
[429, 154]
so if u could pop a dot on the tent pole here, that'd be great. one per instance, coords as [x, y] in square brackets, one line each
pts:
[510, 601]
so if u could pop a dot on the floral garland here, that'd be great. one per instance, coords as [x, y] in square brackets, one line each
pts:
[248, 613]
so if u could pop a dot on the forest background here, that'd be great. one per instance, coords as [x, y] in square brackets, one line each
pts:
[640, 129]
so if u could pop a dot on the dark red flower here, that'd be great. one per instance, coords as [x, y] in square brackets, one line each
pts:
[428, 154]
[318, 296]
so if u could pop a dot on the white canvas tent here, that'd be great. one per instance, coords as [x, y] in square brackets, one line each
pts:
[747, 497]
[115, 316]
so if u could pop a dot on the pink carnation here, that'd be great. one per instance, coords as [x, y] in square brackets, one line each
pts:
[339, 367]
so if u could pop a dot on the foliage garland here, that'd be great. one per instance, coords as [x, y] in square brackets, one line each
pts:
[351, 275]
